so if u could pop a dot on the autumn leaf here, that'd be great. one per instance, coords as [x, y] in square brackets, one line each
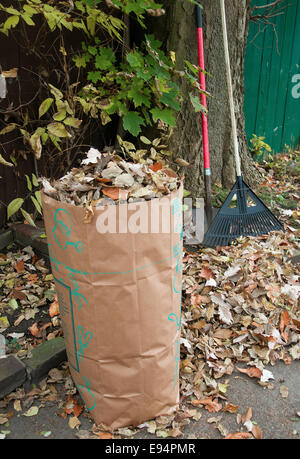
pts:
[32, 279]
[222, 333]
[45, 326]
[273, 291]
[115, 193]
[238, 436]
[252, 372]
[33, 411]
[156, 167]
[112, 193]
[256, 431]
[230, 408]
[72, 406]
[169, 172]
[284, 391]
[284, 321]
[104, 435]
[206, 273]
[247, 415]
[74, 422]
[34, 330]
[54, 307]
[210, 405]
[12, 73]
[19, 266]
[103, 180]
[88, 214]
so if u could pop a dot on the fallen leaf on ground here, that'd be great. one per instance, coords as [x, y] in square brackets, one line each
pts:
[19, 266]
[33, 411]
[72, 406]
[34, 330]
[284, 391]
[210, 405]
[256, 431]
[17, 405]
[74, 422]
[252, 372]
[231, 408]
[3, 419]
[104, 435]
[206, 273]
[55, 374]
[54, 307]
[238, 436]
[247, 415]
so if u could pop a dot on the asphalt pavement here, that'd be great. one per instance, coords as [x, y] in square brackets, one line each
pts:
[275, 410]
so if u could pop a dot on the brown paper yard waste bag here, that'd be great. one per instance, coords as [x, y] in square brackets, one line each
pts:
[119, 293]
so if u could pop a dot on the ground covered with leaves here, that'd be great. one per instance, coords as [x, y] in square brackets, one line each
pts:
[240, 311]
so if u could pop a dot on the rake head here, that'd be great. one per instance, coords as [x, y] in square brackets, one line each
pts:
[242, 214]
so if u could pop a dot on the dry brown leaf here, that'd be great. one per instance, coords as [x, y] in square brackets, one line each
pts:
[88, 214]
[222, 333]
[12, 73]
[207, 273]
[284, 391]
[230, 408]
[55, 374]
[16, 293]
[104, 435]
[284, 321]
[45, 326]
[175, 432]
[247, 415]
[72, 406]
[113, 192]
[238, 436]
[256, 431]
[156, 167]
[198, 325]
[19, 266]
[54, 307]
[210, 405]
[34, 330]
[32, 278]
[252, 372]
[74, 422]
[17, 405]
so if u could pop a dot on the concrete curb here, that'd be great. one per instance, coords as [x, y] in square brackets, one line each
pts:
[30, 235]
[12, 374]
[15, 372]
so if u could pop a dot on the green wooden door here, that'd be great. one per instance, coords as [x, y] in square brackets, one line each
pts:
[272, 78]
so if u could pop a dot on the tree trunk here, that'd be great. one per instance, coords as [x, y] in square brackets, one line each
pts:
[177, 29]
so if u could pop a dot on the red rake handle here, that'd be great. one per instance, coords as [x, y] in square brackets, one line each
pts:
[202, 96]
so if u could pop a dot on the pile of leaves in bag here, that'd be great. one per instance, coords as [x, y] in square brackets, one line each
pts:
[107, 178]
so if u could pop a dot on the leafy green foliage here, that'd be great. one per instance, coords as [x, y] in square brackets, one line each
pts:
[94, 85]
[259, 148]
[144, 80]
[34, 195]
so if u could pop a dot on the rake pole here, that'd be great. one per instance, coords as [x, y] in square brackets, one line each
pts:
[244, 219]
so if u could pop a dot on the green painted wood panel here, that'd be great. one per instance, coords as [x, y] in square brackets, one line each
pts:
[272, 78]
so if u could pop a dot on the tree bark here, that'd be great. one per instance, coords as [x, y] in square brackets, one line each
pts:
[177, 29]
